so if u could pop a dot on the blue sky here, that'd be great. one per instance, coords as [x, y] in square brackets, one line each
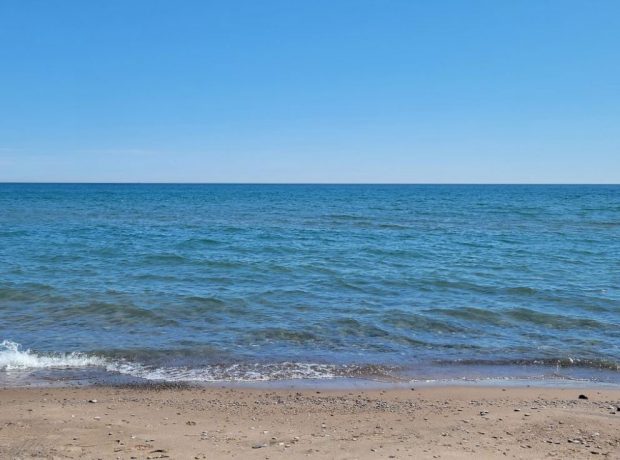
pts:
[310, 91]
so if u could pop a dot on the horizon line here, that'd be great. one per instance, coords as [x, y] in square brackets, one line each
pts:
[293, 183]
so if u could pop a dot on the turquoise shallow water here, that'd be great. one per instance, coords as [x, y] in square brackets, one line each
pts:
[246, 282]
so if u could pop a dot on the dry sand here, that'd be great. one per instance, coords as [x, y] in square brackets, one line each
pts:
[212, 423]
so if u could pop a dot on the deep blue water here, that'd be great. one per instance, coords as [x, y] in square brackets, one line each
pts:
[203, 282]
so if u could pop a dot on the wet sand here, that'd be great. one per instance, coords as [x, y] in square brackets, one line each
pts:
[212, 423]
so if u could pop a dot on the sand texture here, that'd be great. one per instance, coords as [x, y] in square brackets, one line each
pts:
[213, 423]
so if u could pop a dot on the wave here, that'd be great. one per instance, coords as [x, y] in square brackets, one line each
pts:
[13, 357]
[116, 314]
[228, 373]
[255, 372]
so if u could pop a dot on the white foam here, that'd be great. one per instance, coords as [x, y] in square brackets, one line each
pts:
[12, 357]
[233, 372]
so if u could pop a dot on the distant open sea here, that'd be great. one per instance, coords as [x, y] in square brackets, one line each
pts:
[389, 283]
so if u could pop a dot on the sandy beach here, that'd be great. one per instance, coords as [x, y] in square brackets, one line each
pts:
[201, 423]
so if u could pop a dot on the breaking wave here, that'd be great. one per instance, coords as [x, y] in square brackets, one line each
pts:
[13, 357]
[15, 360]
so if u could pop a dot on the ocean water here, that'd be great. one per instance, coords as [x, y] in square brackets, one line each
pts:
[210, 283]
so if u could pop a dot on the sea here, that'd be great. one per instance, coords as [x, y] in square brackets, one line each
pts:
[299, 284]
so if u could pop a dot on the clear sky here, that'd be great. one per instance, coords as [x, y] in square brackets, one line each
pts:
[310, 91]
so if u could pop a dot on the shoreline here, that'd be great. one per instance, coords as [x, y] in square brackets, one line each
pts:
[331, 384]
[499, 376]
[180, 421]
[72, 370]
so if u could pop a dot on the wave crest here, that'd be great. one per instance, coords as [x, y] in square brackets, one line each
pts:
[13, 357]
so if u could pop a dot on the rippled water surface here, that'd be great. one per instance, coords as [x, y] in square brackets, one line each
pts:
[219, 282]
